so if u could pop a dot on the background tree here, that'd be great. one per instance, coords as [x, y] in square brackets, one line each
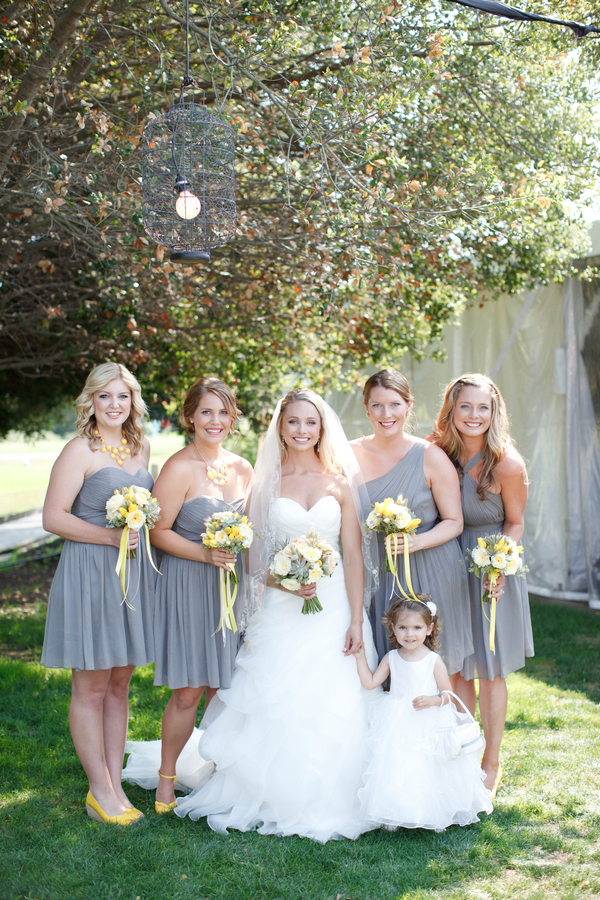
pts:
[394, 161]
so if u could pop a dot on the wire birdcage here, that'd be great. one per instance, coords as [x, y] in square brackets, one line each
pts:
[188, 181]
[188, 176]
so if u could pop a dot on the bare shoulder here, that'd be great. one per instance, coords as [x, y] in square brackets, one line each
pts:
[240, 465]
[435, 457]
[75, 451]
[510, 464]
[177, 465]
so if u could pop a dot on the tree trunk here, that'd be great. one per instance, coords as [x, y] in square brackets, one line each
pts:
[36, 74]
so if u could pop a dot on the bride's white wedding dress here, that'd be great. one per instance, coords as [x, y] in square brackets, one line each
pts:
[287, 735]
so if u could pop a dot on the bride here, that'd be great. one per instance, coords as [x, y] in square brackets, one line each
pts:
[286, 736]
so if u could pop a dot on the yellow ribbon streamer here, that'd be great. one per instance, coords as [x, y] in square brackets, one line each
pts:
[123, 558]
[228, 594]
[492, 616]
[393, 565]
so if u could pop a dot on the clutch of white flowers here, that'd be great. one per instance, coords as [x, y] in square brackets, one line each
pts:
[495, 555]
[394, 517]
[132, 509]
[304, 560]
[228, 530]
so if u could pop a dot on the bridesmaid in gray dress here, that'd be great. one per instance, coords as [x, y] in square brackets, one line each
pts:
[89, 628]
[193, 484]
[472, 428]
[394, 462]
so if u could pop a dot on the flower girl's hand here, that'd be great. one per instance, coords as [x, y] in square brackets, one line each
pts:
[426, 702]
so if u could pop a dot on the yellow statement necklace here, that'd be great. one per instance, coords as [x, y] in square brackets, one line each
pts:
[220, 476]
[118, 453]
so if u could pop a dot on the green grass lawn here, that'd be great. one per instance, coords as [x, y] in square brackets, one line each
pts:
[542, 840]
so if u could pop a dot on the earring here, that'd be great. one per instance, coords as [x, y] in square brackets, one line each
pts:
[318, 445]
[282, 440]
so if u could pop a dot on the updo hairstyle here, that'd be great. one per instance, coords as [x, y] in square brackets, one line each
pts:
[324, 449]
[197, 391]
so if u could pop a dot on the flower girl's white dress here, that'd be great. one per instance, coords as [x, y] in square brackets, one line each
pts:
[409, 782]
[287, 735]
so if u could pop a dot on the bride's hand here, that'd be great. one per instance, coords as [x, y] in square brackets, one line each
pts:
[219, 558]
[354, 639]
[306, 591]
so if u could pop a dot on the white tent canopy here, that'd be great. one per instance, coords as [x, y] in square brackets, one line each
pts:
[535, 346]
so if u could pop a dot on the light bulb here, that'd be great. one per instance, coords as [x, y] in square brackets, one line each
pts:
[187, 205]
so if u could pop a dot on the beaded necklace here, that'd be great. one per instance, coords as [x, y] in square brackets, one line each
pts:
[118, 453]
[219, 477]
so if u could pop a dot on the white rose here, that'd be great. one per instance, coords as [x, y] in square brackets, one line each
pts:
[512, 565]
[403, 517]
[221, 537]
[244, 530]
[141, 499]
[113, 504]
[281, 564]
[142, 491]
[499, 561]
[290, 584]
[312, 554]
[372, 519]
[480, 557]
[314, 574]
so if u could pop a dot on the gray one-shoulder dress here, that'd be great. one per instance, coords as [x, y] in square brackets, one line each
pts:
[438, 571]
[88, 625]
[189, 652]
[514, 638]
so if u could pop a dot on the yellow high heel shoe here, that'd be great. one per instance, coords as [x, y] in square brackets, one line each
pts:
[95, 812]
[134, 813]
[161, 808]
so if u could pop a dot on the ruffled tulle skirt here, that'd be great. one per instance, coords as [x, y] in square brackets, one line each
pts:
[287, 736]
[408, 782]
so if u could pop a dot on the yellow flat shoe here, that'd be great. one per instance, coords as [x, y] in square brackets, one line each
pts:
[97, 814]
[161, 808]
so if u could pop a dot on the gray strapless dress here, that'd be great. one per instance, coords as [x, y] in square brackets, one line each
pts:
[438, 571]
[88, 625]
[514, 638]
[188, 652]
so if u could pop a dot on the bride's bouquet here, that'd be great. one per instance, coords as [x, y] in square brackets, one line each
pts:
[495, 555]
[393, 518]
[304, 560]
[132, 509]
[228, 531]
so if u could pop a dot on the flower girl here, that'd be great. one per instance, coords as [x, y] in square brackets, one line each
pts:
[413, 779]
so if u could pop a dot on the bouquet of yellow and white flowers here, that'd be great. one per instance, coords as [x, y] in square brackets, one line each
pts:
[132, 509]
[495, 555]
[304, 561]
[228, 531]
[394, 517]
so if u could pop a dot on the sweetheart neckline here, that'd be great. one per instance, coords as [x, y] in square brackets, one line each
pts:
[326, 497]
[104, 468]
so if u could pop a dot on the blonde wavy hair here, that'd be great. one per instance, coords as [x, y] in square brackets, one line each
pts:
[197, 391]
[495, 440]
[133, 427]
[323, 448]
[402, 604]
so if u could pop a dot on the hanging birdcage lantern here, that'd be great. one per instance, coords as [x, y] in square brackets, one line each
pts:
[188, 178]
